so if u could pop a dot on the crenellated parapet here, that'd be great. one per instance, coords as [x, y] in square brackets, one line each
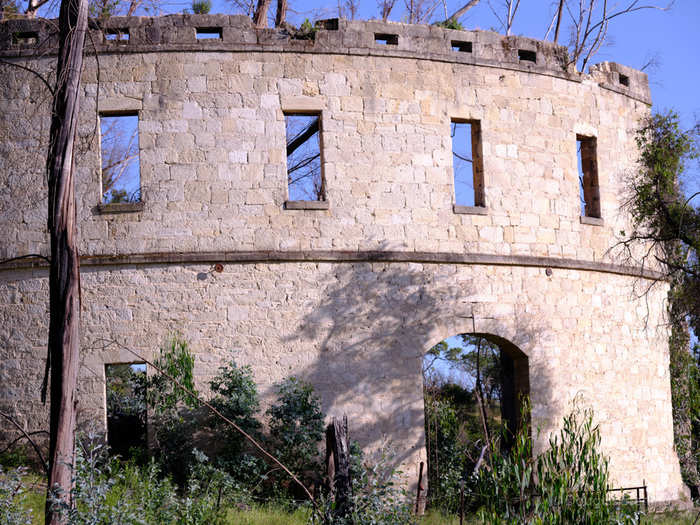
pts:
[236, 33]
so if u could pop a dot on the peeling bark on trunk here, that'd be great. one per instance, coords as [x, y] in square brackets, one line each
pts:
[64, 276]
[338, 464]
[260, 16]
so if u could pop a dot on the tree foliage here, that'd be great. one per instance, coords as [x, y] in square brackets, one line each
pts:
[666, 222]
[236, 397]
[296, 427]
[664, 218]
[176, 360]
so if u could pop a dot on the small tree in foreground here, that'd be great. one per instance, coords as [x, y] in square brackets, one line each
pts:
[296, 427]
[666, 225]
[565, 484]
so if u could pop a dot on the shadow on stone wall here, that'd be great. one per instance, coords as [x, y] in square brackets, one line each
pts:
[373, 326]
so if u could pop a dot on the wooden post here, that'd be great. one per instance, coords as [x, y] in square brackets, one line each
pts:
[330, 461]
[64, 273]
[338, 465]
[461, 502]
[420, 492]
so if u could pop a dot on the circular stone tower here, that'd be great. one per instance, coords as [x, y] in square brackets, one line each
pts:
[346, 275]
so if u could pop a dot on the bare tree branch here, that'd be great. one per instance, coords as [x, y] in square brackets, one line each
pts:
[559, 10]
[511, 8]
[385, 8]
[28, 438]
[302, 137]
[589, 30]
[466, 7]
[32, 71]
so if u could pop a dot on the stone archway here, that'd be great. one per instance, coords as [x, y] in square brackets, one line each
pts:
[512, 369]
[473, 384]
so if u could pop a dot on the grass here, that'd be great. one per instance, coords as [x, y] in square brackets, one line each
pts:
[276, 515]
[672, 518]
[267, 515]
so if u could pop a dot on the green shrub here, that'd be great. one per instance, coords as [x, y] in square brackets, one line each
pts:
[106, 491]
[13, 509]
[176, 360]
[307, 31]
[450, 23]
[173, 418]
[16, 456]
[296, 428]
[201, 7]
[236, 397]
[565, 484]
[376, 499]
[453, 432]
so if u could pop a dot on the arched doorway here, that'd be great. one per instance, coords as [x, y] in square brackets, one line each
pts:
[474, 386]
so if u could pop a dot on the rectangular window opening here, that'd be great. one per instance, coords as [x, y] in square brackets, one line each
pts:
[624, 80]
[527, 56]
[117, 35]
[589, 191]
[209, 33]
[467, 163]
[119, 148]
[126, 408]
[386, 39]
[461, 47]
[329, 25]
[25, 38]
[304, 175]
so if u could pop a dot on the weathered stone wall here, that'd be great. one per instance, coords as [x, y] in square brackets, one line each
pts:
[349, 297]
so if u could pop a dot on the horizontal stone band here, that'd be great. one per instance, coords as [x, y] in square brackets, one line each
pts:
[339, 256]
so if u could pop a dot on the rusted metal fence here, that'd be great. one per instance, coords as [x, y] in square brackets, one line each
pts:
[640, 492]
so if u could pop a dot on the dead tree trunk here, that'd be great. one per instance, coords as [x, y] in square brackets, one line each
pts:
[338, 463]
[260, 16]
[421, 492]
[64, 274]
[281, 15]
[556, 31]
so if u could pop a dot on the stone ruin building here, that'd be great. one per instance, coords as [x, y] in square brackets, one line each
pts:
[349, 286]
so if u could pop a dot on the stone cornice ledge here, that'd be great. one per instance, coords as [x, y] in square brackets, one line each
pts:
[273, 256]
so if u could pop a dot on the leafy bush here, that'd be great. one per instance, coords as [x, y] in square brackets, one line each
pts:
[376, 499]
[450, 23]
[296, 428]
[12, 498]
[106, 492]
[307, 31]
[16, 456]
[201, 7]
[174, 420]
[453, 433]
[176, 360]
[236, 397]
[566, 484]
